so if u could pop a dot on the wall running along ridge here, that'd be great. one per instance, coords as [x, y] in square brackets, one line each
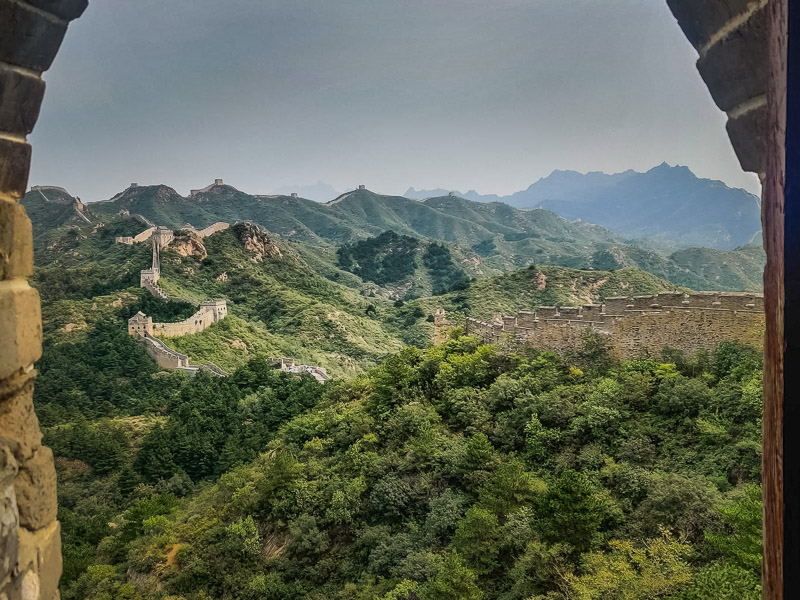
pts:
[210, 312]
[143, 327]
[633, 327]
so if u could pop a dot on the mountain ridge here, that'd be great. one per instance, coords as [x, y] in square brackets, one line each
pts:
[667, 204]
[488, 238]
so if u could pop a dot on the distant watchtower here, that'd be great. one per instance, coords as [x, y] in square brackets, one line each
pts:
[133, 185]
[452, 194]
[362, 187]
[218, 182]
[294, 194]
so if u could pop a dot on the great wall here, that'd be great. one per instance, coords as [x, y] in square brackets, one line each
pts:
[634, 327]
[208, 313]
[143, 327]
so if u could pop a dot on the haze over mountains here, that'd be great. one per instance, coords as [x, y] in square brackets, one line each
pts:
[319, 191]
[668, 205]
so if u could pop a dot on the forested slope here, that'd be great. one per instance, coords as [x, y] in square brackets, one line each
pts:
[454, 473]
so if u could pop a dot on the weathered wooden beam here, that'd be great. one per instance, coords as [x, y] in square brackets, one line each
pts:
[777, 581]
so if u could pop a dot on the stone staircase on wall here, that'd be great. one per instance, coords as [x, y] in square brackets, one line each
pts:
[155, 289]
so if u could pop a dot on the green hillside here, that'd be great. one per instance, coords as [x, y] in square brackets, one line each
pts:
[535, 286]
[458, 473]
[418, 473]
[740, 269]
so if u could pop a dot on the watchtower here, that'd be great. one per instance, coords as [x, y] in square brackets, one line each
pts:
[219, 308]
[218, 182]
[139, 324]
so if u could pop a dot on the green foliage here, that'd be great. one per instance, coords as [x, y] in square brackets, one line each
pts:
[571, 511]
[454, 581]
[722, 582]
[628, 572]
[443, 271]
[741, 544]
[455, 472]
[385, 259]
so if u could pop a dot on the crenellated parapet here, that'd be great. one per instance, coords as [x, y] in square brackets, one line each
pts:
[635, 325]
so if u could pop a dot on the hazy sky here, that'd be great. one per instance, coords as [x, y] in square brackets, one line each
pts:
[462, 94]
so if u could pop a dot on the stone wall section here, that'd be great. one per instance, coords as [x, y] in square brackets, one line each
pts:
[441, 327]
[165, 357]
[209, 312]
[30, 541]
[210, 230]
[289, 365]
[634, 326]
[141, 237]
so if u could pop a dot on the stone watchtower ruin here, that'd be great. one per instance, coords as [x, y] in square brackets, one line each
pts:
[161, 237]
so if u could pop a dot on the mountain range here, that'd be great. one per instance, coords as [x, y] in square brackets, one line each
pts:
[668, 205]
[482, 238]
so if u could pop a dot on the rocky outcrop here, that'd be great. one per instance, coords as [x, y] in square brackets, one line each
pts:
[189, 244]
[256, 241]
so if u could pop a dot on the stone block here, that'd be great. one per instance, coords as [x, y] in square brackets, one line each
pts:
[20, 326]
[748, 135]
[736, 69]
[27, 37]
[16, 241]
[15, 162]
[40, 552]
[19, 427]
[20, 99]
[64, 9]
[35, 486]
[701, 20]
[9, 531]
[11, 589]
[30, 588]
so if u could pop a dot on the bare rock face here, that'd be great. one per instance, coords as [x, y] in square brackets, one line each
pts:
[256, 241]
[189, 245]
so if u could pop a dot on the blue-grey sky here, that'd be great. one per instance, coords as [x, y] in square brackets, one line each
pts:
[464, 94]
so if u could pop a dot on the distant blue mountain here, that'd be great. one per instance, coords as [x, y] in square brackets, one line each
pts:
[666, 204]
